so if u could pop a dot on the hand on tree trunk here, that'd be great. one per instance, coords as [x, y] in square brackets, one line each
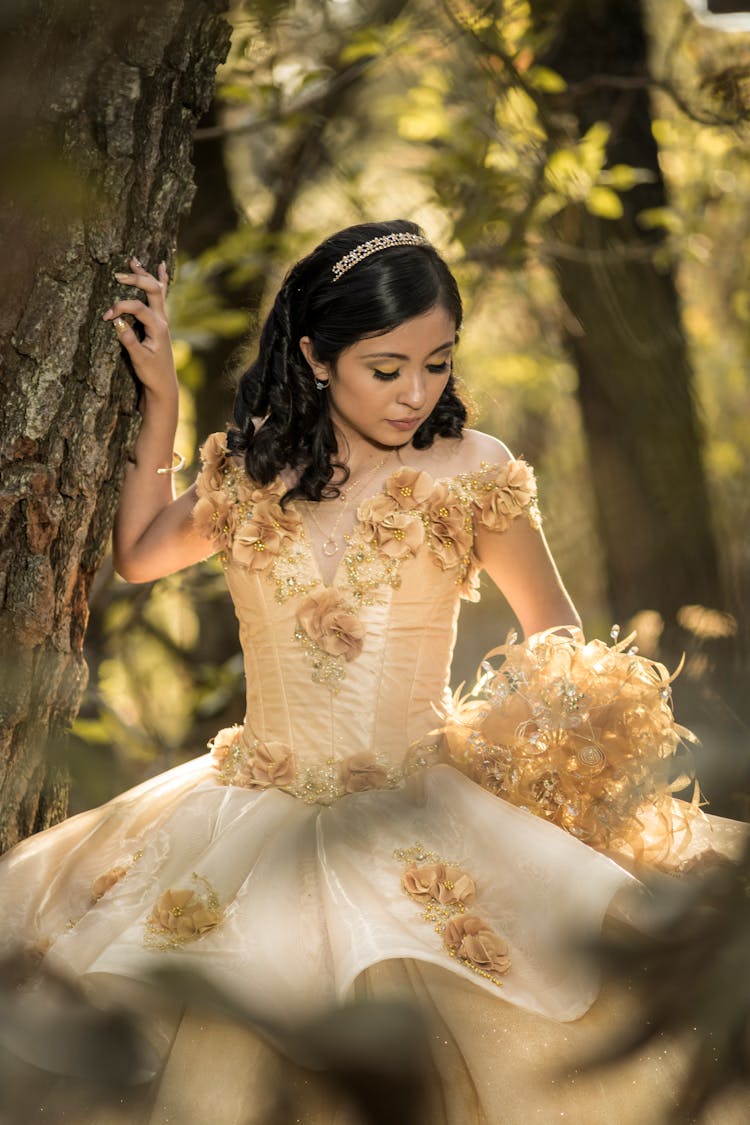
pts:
[150, 355]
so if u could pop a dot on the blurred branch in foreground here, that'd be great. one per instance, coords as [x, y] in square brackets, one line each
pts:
[691, 977]
[370, 1056]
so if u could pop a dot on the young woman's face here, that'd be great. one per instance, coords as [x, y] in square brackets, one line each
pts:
[384, 387]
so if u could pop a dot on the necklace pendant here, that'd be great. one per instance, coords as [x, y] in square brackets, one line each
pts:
[330, 547]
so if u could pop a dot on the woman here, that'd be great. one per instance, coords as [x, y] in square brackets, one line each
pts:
[329, 846]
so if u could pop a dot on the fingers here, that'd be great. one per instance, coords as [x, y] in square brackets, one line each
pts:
[126, 334]
[155, 325]
[143, 279]
[150, 313]
[145, 282]
[140, 271]
[137, 308]
[154, 287]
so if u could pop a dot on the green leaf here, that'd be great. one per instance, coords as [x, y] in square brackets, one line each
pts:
[425, 116]
[666, 218]
[235, 92]
[361, 48]
[665, 132]
[549, 205]
[623, 177]
[516, 112]
[604, 202]
[567, 176]
[592, 148]
[597, 135]
[91, 730]
[546, 80]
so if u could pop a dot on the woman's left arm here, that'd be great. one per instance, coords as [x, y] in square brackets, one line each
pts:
[520, 564]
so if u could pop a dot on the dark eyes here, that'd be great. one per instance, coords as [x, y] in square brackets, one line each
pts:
[433, 368]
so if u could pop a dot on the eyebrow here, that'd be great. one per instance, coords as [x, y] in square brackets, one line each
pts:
[397, 355]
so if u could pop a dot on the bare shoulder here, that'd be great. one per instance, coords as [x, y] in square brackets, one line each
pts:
[466, 454]
[477, 448]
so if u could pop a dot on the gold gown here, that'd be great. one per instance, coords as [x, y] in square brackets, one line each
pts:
[328, 847]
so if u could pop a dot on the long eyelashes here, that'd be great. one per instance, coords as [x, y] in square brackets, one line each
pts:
[434, 369]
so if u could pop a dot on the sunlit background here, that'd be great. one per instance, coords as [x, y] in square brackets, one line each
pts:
[331, 112]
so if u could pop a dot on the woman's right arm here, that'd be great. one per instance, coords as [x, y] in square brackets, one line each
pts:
[153, 533]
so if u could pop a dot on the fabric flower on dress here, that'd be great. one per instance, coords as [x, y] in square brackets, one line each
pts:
[255, 766]
[361, 771]
[396, 533]
[451, 539]
[215, 461]
[472, 939]
[214, 515]
[331, 625]
[445, 883]
[106, 881]
[272, 764]
[409, 488]
[374, 509]
[510, 492]
[223, 744]
[228, 499]
[262, 536]
[444, 889]
[183, 915]
[230, 757]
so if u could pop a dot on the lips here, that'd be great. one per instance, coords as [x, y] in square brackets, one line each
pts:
[404, 423]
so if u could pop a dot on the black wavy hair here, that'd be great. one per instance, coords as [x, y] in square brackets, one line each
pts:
[374, 296]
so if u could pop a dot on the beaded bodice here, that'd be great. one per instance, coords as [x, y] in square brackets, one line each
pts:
[345, 680]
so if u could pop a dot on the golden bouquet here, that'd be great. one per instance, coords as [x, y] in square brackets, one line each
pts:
[580, 733]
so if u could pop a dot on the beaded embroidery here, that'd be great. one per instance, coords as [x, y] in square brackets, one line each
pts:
[368, 570]
[235, 763]
[444, 890]
[492, 494]
[292, 574]
[182, 916]
[326, 669]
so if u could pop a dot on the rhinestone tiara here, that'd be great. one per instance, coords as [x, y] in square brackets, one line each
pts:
[367, 248]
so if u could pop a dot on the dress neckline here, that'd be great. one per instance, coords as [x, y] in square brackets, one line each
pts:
[309, 542]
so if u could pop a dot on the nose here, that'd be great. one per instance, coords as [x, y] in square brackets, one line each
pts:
[413, 390]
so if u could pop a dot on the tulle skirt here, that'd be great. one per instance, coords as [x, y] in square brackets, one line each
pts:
[292, 908]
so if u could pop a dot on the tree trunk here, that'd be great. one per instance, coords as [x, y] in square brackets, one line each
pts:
[97, 167]
[635, 381]
[636, 388]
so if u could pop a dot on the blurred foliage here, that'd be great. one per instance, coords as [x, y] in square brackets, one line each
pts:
[340, 110]
[690, 977]
[370, 1057]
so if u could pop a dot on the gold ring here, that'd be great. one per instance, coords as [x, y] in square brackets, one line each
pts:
[120, 324]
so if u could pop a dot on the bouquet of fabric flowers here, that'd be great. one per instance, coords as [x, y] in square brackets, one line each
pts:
[582, 734]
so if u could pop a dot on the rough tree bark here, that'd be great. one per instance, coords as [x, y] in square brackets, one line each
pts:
[98, 109]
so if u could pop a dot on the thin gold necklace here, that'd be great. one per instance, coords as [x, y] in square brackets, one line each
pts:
[331, 546]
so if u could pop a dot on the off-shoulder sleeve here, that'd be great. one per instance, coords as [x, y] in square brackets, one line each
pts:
[214, 513]
[502, 493]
